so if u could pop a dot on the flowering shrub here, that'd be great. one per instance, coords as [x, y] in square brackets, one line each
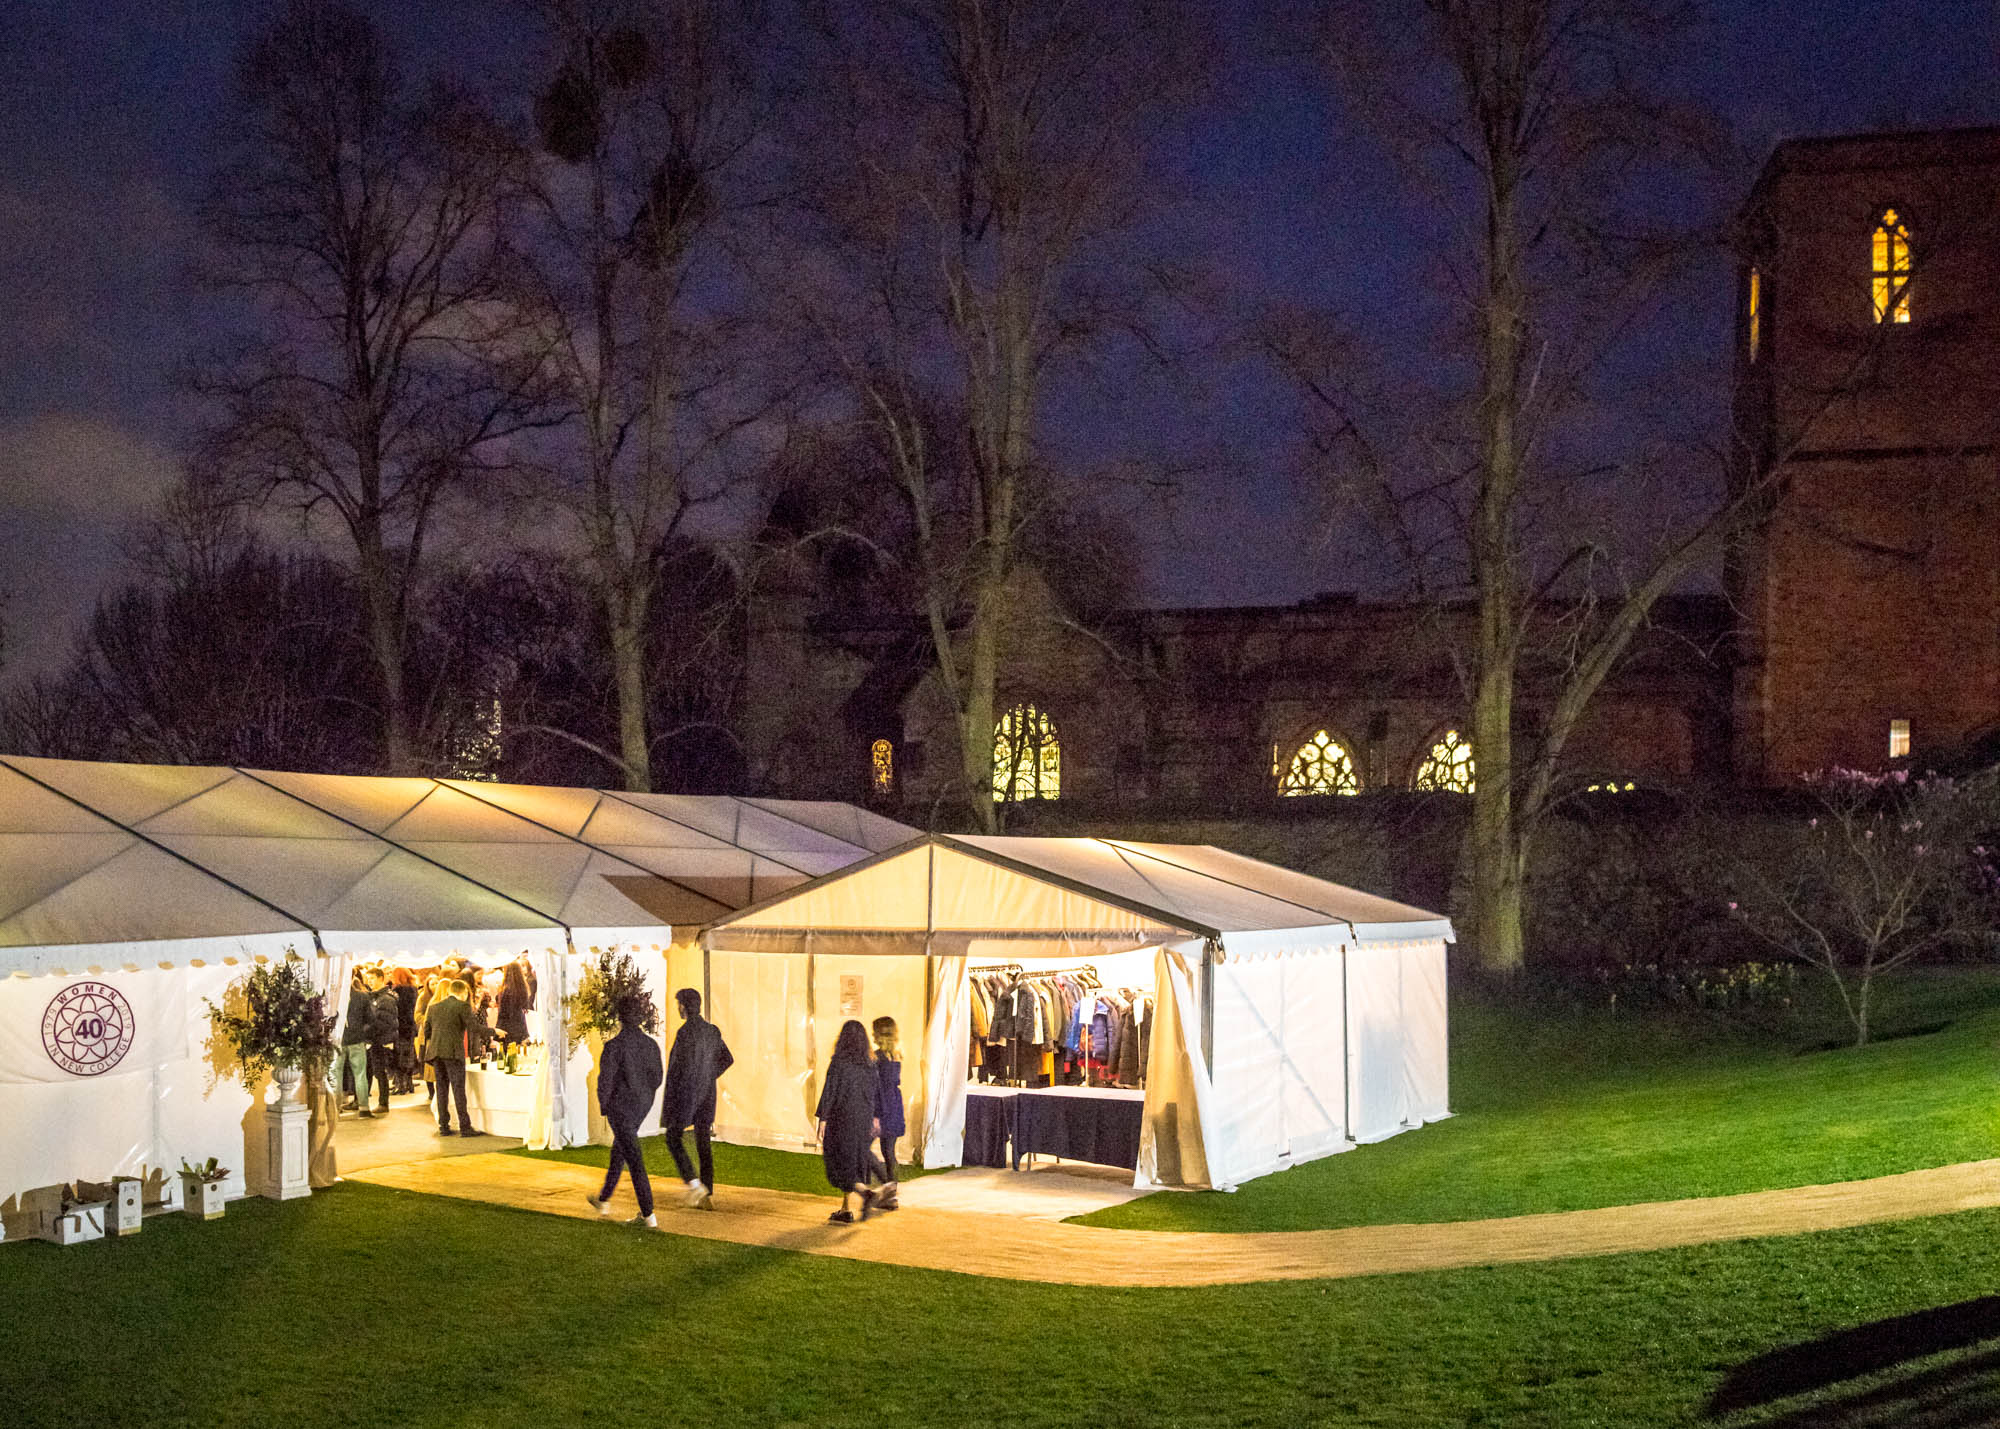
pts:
[1884, 869]
[1731, 988]
[283, 1023]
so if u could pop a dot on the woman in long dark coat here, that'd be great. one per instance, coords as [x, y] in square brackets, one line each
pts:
[847, 1119]
[512, 1021]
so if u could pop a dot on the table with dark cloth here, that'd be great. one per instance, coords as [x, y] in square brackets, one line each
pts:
[1095, 1124]
[989, 1124]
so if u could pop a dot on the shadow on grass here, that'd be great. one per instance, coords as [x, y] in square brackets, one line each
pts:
[1846, 1044]
[1963, 1390]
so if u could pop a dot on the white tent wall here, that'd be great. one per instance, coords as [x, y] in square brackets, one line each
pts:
[868, 987]
[1398, 1076]
[947, 1050]
[1279, 1075]
[172, 1096]
[761, 1003]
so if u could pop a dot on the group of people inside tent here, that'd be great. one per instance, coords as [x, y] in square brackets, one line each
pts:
[401, 1022]
[860, 1116]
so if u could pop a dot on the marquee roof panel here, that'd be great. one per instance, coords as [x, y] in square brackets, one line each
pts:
[136, 854]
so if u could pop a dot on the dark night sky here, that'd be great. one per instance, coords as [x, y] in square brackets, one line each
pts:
[110, 105]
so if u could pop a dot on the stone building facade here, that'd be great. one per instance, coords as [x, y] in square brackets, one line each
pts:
[1860, 619]
[1868, 358]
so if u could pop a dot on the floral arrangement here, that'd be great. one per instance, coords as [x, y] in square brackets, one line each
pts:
[612, 979]
[283, 1023]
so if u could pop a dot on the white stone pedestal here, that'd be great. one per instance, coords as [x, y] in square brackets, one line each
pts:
[286, 1152]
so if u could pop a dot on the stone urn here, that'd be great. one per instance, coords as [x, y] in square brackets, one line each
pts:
[287, 1081]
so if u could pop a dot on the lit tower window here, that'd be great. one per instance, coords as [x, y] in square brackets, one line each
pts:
[1322, 765]
[882, 766]
[1448, 766]
[1890, 249]
[1027, 757]
[1754, 313]
[1899, 738]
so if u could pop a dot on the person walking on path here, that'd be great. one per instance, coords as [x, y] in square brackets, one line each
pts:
[698, 1060]
[450, 1032]
[889, 1123]
[627, 1076]
[383, 1015]
[846, 1116]
[354, 1033]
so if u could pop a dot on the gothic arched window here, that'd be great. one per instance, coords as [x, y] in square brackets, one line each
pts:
[1027, 757]
[1889, 252]
[1448, 766]
[882, 768]
[1322, 765]
[1753, 315]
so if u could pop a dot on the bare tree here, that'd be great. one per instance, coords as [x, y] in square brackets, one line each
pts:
[1880, 871]
[1527, 122]
[644, 129]
[980, 183]
[356, 227]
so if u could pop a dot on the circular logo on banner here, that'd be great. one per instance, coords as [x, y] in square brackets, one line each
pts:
[88, 1028]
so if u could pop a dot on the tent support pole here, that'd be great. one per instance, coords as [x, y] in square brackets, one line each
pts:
[1346, 1055]
[1208, 1005]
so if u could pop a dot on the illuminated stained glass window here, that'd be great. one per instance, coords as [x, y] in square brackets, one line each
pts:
[1899, 738]
[1754, 317]
[1448, 766]
[1890, 250]
[1027, 758]
[882, 766]
[1322, 765]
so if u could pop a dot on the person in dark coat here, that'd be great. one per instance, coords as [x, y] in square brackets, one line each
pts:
[627, 1076]
[515, 1000]
[889, 1122]
[355, 1030]
[846, 1117]
[405, 986]
[699, 1058]
[383, 1015]
[451, 1032]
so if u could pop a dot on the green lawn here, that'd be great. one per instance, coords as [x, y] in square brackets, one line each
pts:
[734, 1166]
[1582, 1109]
[364, 1306]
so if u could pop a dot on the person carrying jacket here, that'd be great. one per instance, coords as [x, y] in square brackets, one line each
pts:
[384, 1014]
[628, 1074]
[699, 1058]
[451, 1031]
[355, 1031]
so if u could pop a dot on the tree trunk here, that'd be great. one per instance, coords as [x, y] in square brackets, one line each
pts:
[1496, 836]
[382, 611]
[1861, 1010]
[628, 663]
[976, 720]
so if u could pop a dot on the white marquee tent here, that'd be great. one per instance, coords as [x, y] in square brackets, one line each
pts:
[1295, 1017]
[161, 882]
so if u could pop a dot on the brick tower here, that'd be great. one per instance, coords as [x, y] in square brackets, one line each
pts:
[1868, 394]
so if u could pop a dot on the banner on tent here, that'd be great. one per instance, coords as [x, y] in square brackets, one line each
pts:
[74, 1029]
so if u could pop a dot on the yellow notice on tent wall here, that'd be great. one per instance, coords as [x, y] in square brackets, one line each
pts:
[850, 994]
